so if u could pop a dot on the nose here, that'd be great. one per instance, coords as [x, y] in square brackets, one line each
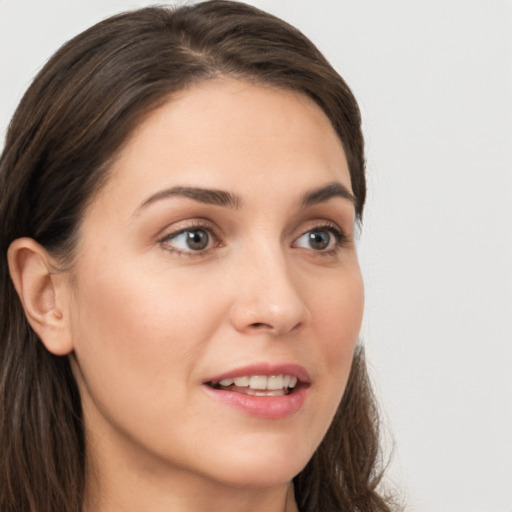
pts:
[267, 297]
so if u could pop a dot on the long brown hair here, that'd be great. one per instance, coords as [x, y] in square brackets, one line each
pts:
[69, 126]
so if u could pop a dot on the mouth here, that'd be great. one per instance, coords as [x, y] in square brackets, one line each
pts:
[258, 385]
[262, 390]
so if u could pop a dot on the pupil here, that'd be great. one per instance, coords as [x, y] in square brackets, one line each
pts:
[197, 240]
[319, 240]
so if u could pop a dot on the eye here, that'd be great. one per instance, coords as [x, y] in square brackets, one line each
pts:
[189, 240]
[322, 239]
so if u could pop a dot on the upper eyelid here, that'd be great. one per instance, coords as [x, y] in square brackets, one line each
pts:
[319, 224]
[207, 225]
[172, 230]
[201, 223]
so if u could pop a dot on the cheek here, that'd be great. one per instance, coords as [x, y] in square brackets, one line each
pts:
[338, 311]
[138, 334]
[137, 307]
[336, 319]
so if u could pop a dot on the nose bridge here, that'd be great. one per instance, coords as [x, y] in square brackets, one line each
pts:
[268, 296]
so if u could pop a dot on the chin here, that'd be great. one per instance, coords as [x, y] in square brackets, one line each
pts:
[260, 477]
[260, 468]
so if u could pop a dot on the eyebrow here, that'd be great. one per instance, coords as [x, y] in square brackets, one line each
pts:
[322, 194]
[233, 201]
[202, 195]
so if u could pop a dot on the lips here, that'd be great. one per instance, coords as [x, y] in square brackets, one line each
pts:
[262, 390]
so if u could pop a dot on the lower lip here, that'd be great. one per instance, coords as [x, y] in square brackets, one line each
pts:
[268, 407]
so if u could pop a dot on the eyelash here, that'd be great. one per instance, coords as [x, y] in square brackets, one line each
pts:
[340, 239]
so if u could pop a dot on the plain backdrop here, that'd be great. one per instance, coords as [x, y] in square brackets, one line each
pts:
[434, 82]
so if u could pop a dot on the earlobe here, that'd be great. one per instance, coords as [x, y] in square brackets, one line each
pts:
[42, 294]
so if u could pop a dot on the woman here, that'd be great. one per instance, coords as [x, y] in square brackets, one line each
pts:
[181, 295]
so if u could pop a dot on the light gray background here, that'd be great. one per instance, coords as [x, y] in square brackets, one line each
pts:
[434, 81]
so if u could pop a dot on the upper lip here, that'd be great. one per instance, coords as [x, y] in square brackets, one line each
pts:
[266, 369]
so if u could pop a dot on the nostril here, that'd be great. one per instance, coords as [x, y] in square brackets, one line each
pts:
[259, 325]
[263, 326]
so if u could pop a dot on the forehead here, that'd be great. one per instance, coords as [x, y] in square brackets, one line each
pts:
[231, 134]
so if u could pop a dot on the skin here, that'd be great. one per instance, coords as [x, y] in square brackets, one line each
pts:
[147, 319]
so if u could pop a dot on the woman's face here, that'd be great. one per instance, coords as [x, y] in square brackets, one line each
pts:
[221, 247]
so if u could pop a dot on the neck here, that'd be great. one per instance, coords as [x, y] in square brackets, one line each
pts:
[131, 487]
[131, 497]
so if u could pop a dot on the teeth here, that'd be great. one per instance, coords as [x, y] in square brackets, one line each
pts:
[241, 381]
[262, 382]
[258, 382]
[275, 382]
[270, 392]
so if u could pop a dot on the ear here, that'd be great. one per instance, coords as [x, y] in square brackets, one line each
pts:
[42, 293]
